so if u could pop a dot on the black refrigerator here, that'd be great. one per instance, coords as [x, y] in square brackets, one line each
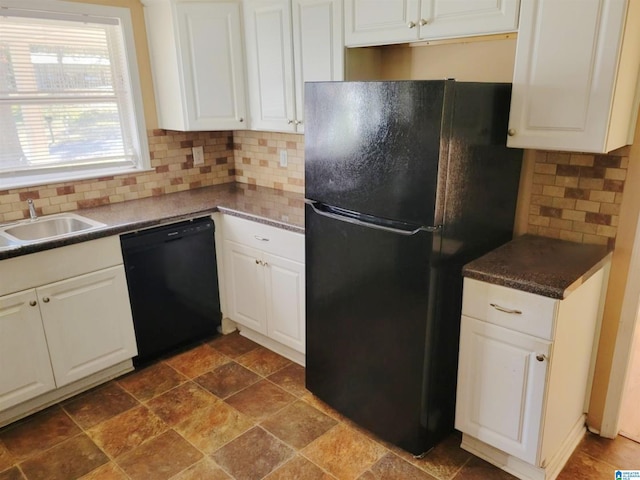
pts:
[405, 183]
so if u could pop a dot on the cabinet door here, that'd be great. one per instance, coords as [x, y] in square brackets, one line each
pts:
[565, 73]
[379, 22]
[210, 49]
[285, 290]
[501, 387]
[270, 65]
[245, 286]
[456, 18]
[88, 323]
[25, 370]
[318, 46]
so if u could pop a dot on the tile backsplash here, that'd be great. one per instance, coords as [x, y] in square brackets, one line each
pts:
[172, 171]
[257, 159]
[246, 156]
[574, 196]
[577, 196]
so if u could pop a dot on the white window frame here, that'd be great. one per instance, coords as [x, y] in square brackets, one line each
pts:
[139, 133]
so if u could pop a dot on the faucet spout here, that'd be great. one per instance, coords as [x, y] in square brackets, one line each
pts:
[32, 210]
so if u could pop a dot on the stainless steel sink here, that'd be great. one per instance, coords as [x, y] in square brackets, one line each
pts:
[5, 243]
[51, 226]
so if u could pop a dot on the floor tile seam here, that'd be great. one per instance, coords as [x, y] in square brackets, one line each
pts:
[42, 452]
[296, 450]
[196, 384]
[189, 466]
[232, 394]
[457, 472]
[86, 430]
[301, 453]
[114, 458]
[286, 460]
[254, 424]
[148, 440]
[118, 380]
[281, 387]
[229, 356]
[281, 408]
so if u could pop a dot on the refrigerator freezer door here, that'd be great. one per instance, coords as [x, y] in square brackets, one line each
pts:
[370, 325]
[375, 147]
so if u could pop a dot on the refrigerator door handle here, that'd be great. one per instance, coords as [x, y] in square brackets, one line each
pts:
[385, 228]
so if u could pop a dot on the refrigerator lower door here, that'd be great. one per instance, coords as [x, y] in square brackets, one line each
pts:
[371, 310]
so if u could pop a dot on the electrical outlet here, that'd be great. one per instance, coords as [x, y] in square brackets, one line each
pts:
[198, 155]
[283, 158]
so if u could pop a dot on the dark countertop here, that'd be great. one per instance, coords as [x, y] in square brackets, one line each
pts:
[544, 266]
[265, 205]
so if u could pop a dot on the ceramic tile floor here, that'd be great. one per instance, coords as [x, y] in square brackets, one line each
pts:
[226, 409]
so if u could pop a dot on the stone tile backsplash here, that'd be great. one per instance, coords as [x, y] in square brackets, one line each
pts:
[577, 196]
[246, 156]
[257, 159]
[574, 196]
[172, 171]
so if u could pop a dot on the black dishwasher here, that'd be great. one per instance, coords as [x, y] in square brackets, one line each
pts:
[173, 285]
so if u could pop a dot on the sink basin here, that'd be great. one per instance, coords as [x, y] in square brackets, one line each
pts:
[51, 226]
[5, 243]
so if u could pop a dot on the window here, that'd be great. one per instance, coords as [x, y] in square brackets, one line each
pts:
[70, 103]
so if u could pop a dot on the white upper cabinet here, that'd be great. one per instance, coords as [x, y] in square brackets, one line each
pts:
[380, 22]
[290, 42]
[198, 63]
[575, 75]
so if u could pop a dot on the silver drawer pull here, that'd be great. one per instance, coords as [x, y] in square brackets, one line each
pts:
[505, 310]
[262, 239]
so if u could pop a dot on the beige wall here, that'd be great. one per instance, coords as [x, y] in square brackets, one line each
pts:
[629, 213]
[485, 59]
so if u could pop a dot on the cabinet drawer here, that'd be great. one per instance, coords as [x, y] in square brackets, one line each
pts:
[525, 312]
[276, 241]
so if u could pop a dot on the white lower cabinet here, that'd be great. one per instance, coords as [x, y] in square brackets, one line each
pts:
[502, 377]
[264, 279]
[25, 369]
[61, 337]
[88, 323]
[524, 372]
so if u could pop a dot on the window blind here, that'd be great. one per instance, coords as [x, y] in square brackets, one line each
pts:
[65, 98]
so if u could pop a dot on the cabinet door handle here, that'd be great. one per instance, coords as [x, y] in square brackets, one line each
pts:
[33, 303]
[505, 310]
[241, 119]
[411, 24]
[541, 357]
[45, 299]
[257, 262]
[262, 239]
[511, 132]
[423, 22]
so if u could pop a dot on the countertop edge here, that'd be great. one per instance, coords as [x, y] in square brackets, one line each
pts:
[536, 287]
[127, 227]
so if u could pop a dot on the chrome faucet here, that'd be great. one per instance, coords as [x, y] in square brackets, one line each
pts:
[32, 210]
